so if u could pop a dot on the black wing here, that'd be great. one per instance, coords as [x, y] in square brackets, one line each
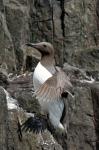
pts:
[34, 124]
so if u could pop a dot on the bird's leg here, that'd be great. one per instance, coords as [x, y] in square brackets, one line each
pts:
[60, 130]
[61, 126]
[57, 129]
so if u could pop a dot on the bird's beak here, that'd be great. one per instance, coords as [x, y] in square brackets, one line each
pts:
[30, 44]
[36, 46]
[33, 48]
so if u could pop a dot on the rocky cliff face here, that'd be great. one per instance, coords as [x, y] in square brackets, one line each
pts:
[73, 28]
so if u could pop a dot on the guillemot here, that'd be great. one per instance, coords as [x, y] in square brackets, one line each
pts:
[51, 84]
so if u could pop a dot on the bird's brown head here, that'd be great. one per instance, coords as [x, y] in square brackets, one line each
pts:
[44, 48]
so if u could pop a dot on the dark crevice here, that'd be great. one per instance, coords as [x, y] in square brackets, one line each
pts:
[62, 17]
[30, 63]
[95, 98]
[97, 13]
[52, 19]
[97, 8]
[53, 30]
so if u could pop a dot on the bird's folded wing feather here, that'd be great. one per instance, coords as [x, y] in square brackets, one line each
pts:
[52, 89]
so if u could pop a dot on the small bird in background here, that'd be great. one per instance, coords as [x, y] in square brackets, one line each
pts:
[51, 85]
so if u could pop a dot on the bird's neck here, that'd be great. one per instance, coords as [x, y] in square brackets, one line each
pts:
[48, 62]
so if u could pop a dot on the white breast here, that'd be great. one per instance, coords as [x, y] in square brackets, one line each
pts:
[53, 108]
[41, 74]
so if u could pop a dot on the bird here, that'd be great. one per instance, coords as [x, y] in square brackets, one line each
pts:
[51, 84]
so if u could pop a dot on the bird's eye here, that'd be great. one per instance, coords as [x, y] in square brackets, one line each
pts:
[44, 45]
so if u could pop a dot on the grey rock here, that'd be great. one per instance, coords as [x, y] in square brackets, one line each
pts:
[3, 120]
